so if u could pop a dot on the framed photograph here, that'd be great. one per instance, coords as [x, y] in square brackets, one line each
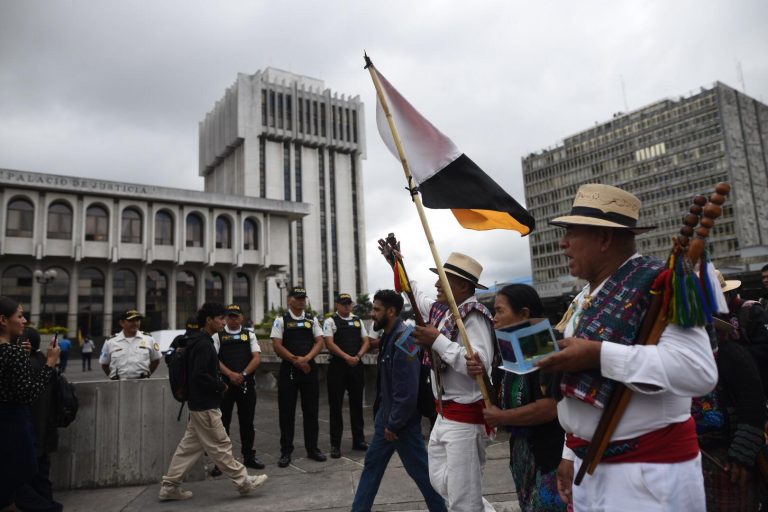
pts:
[523, 344]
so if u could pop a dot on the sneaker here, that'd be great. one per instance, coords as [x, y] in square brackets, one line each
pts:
[215, 471]
[252, 483]
[173, 492]
[253, 463]
[285, 461]
[335, 452]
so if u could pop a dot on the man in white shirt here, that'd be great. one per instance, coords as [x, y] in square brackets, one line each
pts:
[130, 354]
[459, 438]
[297, 338]
[653, 461]
[347, 342]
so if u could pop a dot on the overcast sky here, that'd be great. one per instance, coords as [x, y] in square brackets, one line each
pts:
[115, 89]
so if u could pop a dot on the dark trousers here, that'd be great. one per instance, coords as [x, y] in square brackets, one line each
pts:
[246, 407]
[87, 360]
[344, 378]
[63, 358]
[290, 383]
[37, 495]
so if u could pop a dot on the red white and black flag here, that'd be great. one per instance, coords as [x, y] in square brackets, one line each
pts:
[447, 178]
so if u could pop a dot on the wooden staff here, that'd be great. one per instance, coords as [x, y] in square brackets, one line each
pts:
[655, 320]
[425, 225]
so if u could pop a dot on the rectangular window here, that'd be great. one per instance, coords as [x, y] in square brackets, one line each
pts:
[263, 107]
[272, 109]
[280, 110]
[307, 115]
[262, 167]
[287, 171]
[354, 126]
[300, 103]
[163, 230]
[315, 118]
[299, 223]
[322, 119]
[288, 112]
[59, 222]
[334, 232]
[347, 123]
[355, 222]
[323, 231]
[333, 120]
[131, 231]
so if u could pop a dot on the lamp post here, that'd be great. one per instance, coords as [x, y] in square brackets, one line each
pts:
[44, 278]
[282, 283]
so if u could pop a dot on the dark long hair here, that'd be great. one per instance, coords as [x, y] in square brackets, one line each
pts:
[8, 306]
[522, 296]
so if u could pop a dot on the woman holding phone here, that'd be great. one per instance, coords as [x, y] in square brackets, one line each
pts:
[530, 415]
[19, 385]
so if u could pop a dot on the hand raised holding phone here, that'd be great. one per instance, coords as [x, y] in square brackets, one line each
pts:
[54, 351]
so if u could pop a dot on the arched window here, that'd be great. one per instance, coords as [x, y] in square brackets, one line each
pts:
[214, 287]
[223, 233]
[124, 294]
[241, 294]
[17, 284]
[96, 224]
[194, 230]
[156, 314]
[250, 235]
[90, 300]
[131, 227]
[60, 221]
[163, 228]
[54, 300]
[21, 219]
[186, 297]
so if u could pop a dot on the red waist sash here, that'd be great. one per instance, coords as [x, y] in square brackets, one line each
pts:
[674, 443]
[464, 413]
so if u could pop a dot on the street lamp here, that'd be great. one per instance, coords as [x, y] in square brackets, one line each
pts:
[282, 283]
[44, 278]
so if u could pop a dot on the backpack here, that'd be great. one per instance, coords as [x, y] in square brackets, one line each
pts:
[65, 401]
[177, 360]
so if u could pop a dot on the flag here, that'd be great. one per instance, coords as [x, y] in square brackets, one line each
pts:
[401, 280]
[80, 339]
[447, 178]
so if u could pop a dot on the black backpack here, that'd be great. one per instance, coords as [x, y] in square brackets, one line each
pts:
[65, 401]
[177, 360]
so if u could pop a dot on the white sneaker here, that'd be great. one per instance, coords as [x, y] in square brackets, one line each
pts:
[172, 492]
[252, 483]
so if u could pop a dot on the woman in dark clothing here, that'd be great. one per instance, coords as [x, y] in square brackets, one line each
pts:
[536, 438]
[20, 384]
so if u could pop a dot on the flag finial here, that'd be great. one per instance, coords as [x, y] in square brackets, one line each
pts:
[368, 62]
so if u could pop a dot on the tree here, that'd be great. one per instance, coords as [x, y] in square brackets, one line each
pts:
[364, 306]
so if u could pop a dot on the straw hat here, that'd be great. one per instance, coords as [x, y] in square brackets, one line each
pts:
[727, 285]
[465, 267]
[604, 206]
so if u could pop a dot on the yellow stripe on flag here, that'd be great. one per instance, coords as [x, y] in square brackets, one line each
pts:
[482, 220]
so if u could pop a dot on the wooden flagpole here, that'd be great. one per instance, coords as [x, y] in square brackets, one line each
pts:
[425, 224]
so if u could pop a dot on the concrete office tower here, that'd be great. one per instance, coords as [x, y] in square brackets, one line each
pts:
[664, 153]
[279, 135]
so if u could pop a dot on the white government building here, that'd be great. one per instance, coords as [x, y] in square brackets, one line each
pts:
[283, 205]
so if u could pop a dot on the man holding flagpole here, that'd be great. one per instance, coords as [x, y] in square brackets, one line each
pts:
[458, 440]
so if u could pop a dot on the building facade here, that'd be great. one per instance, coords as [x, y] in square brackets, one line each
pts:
[281, 136]
[114, 246]
[665, 153]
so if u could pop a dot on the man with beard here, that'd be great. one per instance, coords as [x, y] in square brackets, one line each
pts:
[398, 420]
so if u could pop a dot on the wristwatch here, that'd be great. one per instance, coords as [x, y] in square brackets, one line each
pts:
[245, 374]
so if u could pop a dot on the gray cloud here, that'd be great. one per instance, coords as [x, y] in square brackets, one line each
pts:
[115, 89]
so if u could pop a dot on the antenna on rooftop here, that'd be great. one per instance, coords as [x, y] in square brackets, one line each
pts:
[740, 75]
[624, 93]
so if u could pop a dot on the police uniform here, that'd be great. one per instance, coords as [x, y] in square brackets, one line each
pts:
[235, 349]
[129, 358]
[348, 334]
[298, 334]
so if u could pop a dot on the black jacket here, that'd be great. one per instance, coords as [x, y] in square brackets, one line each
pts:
[205, 384]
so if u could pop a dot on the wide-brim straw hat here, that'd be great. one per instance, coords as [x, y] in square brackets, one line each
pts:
[727, 284]
[465, 267]
[603, 206]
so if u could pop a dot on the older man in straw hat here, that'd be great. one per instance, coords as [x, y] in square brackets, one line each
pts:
[653, 461]
[458, 440]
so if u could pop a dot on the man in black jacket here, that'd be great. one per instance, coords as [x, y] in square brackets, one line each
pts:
[205, 432]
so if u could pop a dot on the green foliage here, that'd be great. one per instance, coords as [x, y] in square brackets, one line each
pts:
[364, 306]
[53, 329]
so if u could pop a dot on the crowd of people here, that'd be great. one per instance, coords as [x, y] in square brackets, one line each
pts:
[691, 438]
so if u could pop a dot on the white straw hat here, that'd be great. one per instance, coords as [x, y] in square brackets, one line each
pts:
[465, 267]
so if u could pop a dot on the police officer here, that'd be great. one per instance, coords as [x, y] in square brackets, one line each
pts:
[239, 356]
[297, 339]
[347, 341]
[130, 354]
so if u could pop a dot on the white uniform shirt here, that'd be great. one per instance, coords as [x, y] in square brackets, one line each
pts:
[663, 378]
[329, 326]
[255, 347]
[129, 358]
[457, 384]
[277, 326]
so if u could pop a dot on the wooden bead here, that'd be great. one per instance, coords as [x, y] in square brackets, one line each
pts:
[700, 200]
[723, 188]
[712, 211]
[686, 231]
[707, 222]
[696, 209]
[691, 220]
[703, 232]
[716, 199]
[682, 241]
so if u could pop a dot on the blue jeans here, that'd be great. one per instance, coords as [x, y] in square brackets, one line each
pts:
[410, 447]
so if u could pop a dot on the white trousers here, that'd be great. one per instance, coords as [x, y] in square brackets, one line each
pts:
[456, 461]
[641, 487]
[205, 433]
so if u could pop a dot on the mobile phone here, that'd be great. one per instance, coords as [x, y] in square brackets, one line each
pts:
[55, 339]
